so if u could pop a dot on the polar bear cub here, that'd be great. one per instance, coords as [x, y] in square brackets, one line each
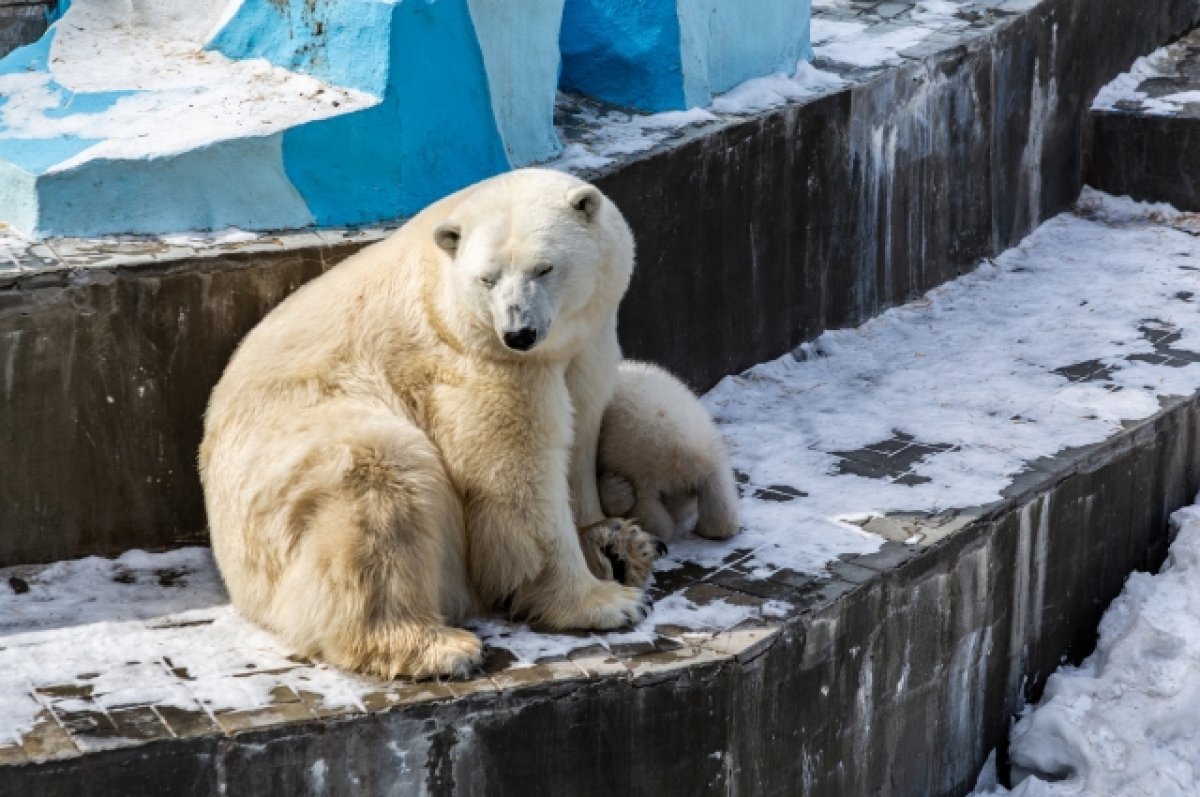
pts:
[400, 443]
[662, 459]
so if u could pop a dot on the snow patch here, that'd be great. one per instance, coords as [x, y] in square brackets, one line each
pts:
[609, 134]
[1124, 91]
[1124, 723]
[848, 43]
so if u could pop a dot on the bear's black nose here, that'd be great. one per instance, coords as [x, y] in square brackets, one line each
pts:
[521, 340]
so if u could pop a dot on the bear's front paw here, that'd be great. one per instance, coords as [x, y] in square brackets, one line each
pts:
[619, 550]
[598, 606]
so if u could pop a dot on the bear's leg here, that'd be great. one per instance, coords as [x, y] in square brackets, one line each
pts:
[718, 500]
[379, 553]
[566, 595]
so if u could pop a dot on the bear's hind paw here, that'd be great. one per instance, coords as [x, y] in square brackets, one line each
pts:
[620, 550]
[414, 651]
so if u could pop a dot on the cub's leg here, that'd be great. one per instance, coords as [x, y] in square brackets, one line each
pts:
[373, 561]
[717, 511]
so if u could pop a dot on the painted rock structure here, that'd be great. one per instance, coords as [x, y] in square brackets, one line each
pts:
[161, 117]
[675, 54]
[152, 118]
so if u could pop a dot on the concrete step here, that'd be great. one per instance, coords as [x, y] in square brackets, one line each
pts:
[1144, 128]
[938, 505]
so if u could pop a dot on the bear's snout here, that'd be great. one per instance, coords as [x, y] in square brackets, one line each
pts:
[521, 340]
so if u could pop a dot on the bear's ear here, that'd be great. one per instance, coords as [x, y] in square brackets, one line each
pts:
[447, 235]
[587, 200]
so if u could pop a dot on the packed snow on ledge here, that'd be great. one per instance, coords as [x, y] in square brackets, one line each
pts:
[1125, 723]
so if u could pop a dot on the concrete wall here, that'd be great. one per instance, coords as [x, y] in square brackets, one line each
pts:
[1151, 158]
[21, 22]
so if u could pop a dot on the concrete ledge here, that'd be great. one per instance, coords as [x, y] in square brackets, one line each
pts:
[754, 234]
[1152, 159]
[896, 677]
[1143, 140]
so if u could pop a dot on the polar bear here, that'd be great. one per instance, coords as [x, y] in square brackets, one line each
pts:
[661, 459]
[404, 440]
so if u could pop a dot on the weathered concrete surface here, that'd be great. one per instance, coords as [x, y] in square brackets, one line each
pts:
[895, 676]
[1147, 146]
[803, 218]
[22, 22]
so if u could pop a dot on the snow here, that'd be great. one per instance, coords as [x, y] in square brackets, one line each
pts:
[970, 367]
[181, 95]
[968, 371]
[1125, 723]
[774, 90]
[1125, 91]
[854, 47]
[607, 134]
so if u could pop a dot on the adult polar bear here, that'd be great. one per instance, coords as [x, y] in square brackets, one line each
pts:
[401, 442]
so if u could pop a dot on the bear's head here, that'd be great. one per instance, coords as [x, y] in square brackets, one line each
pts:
[537, 259]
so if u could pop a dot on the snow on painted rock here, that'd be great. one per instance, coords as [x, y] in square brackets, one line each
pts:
[167, 93]
[1088, 322]
[1125, 723]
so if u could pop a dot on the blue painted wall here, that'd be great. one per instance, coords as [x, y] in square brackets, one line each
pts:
[626, 53]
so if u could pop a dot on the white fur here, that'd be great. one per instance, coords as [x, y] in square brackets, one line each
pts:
[378, 463]
[662, 459]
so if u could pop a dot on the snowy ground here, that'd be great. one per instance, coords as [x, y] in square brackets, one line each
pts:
[931, 407]
[1125, 723]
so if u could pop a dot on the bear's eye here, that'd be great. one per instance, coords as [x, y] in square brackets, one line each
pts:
[487, 281]
[543, 271]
